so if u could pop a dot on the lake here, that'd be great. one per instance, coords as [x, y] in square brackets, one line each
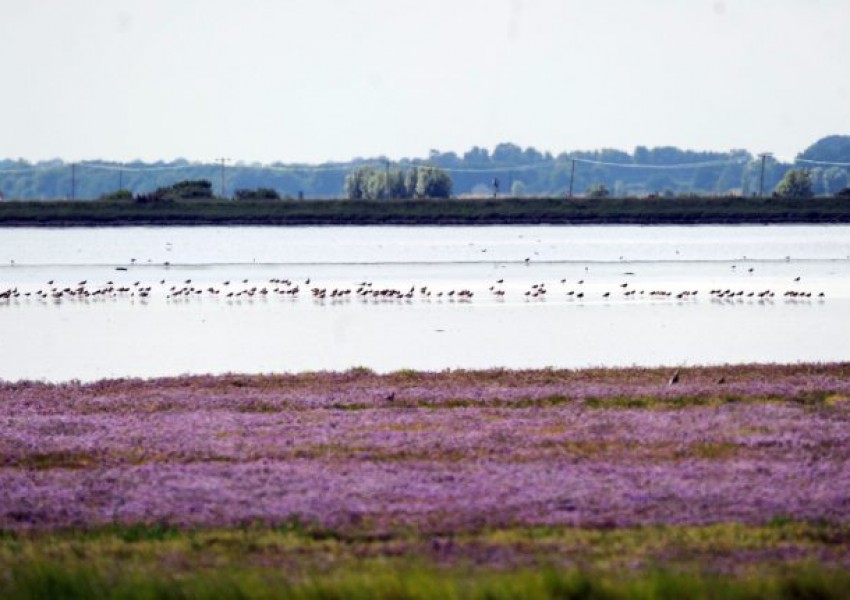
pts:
[612, 296]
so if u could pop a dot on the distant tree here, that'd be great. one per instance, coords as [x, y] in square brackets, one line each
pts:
[433, 183]
[658, 182]
[774, 172]
[598, 190]
[845, 193]
[477, 157]
[182, 190]
[797, 183]
[531, 155]
[833, 148]
[257, 194]
[518, 189]
[705, 179]
[508, 153]
[355, 183]
[411, 178]
[198, 188]
[369, 183]
[398, 184]
[834, 180]
[642, 155]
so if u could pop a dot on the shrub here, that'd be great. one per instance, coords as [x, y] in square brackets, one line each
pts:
[257, 194]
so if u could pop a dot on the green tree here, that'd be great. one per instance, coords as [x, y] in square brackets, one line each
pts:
[355, 183]
[198, 188]
[398, 186]
[257, 194]
[411, 178]
[835, 179]
[433, 183]
[797, 183]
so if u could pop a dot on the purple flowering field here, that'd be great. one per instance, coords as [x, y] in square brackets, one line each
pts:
[449, 451]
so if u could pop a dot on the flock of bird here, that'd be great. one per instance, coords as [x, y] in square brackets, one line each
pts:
[366, 290]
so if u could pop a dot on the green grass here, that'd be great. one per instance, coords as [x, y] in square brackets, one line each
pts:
[433, 212]
[297, 560]
[51, 582]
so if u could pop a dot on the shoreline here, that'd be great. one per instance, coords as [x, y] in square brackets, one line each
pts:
[634, 374]
[507, 211]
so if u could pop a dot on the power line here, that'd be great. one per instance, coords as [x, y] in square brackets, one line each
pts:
[34, 168]
[382, 163]
[103, 167]
[822, 162]
[222, 161]
[695, 165]
[763, 156]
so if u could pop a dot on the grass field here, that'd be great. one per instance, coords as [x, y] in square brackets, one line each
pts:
[782, 559]
[732, 483]
[429, 212]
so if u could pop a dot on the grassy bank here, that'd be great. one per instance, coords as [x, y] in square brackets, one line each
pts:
[430, 212]
[782, 559]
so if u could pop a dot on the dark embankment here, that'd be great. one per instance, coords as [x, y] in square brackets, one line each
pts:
[641, 211]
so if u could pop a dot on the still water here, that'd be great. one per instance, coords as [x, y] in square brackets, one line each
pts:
[614, 296]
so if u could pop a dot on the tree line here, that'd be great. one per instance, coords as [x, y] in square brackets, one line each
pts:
[370, 183]
[508, 169]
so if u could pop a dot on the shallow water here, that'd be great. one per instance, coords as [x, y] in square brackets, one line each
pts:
[126, 335]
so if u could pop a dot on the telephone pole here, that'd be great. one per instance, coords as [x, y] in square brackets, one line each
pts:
[572, 174]
[763, 156]
[222, 161]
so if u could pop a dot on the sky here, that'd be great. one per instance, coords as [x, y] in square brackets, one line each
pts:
[330, 80]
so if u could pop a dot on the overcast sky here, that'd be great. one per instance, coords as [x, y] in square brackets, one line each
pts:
[317, 80]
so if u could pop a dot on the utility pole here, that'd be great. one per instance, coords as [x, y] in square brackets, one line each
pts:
[73, 181]
[222, 161]
[572, 174]
[763, 156]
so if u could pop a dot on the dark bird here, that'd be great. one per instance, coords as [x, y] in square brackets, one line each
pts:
[674, 379]
[796, 279]
[390, 397]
